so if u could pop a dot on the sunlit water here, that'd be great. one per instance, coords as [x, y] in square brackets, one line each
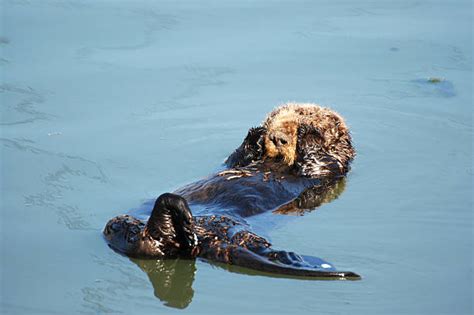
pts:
[105, 105]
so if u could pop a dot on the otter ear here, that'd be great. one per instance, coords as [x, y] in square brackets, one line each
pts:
[250, 150]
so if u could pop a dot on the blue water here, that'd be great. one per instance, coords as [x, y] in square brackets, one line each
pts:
[105, 105]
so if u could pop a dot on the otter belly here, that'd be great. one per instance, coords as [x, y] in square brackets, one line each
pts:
[250, 194]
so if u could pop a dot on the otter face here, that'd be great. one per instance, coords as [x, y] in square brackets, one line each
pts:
[281, 140]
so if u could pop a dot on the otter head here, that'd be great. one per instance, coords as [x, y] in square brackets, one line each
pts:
[314, 139]
[281, 139]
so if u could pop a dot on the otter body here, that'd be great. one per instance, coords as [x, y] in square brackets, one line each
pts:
[246, 191]
[294, 162]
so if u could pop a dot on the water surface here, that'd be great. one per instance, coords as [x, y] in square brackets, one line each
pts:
[105, 105]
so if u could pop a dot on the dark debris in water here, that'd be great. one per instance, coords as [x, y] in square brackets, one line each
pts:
[435, 80]
[437, 86]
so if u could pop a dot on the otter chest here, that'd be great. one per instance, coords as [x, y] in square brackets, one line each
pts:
[244, 195]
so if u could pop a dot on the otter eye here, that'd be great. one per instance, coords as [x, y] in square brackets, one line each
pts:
[272, 139]
[283, 141]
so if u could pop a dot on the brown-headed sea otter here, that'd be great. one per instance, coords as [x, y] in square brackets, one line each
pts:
[314, 141]
[292, 163]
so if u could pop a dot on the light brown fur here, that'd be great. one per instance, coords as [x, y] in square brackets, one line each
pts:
[283, 123]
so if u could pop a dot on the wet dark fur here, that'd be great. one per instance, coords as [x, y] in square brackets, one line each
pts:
[219, 239]
[252, 149]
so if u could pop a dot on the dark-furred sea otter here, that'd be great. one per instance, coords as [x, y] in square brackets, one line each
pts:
[292, 163]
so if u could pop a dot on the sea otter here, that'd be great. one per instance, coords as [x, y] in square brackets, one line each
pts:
[292, 163]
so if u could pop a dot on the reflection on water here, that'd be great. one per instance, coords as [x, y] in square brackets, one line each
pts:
[313, 197]
[172, 279]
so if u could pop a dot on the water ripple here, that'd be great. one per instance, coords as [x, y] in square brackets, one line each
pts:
[58, 181]
[29, 100]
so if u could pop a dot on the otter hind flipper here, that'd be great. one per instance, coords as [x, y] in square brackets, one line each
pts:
[291, 264]
[286, 265]
[246, 249]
